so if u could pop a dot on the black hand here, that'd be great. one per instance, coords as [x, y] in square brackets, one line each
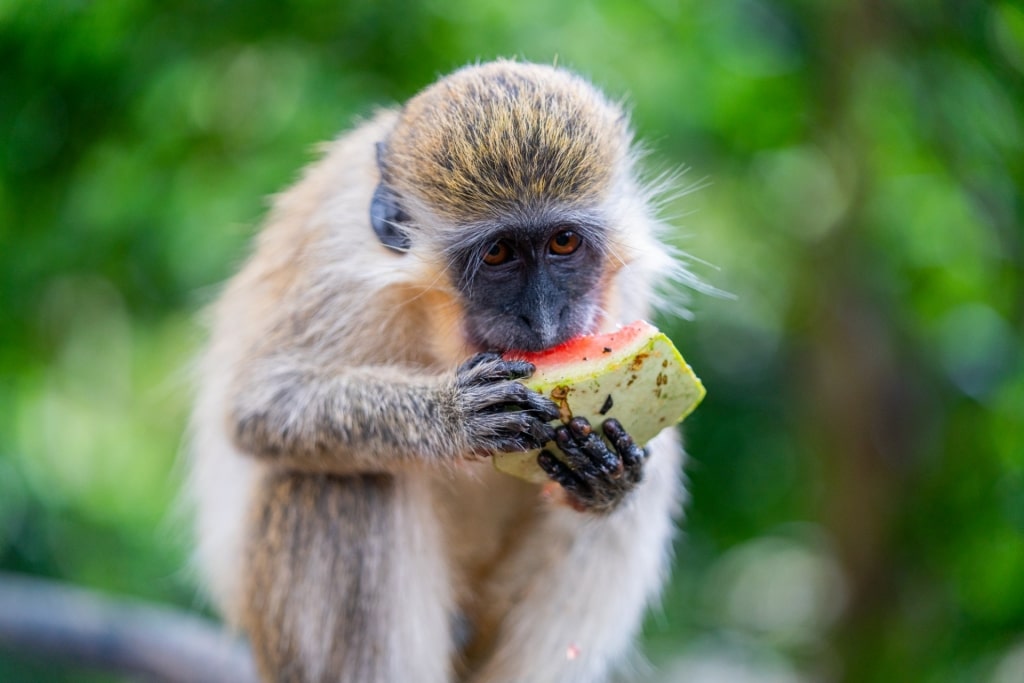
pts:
[499, 414]
[596, 477]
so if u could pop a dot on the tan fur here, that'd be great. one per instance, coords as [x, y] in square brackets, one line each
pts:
[490, 138]
[341, 521]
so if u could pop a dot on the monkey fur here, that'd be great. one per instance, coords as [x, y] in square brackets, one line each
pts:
[348, 518]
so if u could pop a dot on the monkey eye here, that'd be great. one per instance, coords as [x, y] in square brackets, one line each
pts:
[565, 243]
[498, 253]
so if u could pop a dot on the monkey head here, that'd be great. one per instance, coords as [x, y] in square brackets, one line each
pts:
[515, 173]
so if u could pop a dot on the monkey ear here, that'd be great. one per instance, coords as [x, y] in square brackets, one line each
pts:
[386, 218]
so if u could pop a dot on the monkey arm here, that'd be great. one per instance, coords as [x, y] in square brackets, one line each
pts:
[376, 418]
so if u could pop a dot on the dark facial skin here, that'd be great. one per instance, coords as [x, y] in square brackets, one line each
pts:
[531, 288]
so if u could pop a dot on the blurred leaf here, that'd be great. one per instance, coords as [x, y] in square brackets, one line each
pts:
[861, 169]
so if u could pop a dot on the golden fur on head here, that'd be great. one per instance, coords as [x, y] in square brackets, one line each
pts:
[502, 136]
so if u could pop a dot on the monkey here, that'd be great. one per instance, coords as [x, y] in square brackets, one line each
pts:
[360, 371]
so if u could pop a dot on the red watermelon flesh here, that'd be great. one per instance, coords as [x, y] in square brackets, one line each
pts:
[634, 374]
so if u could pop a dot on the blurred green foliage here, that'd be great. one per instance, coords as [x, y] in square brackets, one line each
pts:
[857, 472]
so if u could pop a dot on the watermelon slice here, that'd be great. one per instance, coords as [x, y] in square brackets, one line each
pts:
[634, 374]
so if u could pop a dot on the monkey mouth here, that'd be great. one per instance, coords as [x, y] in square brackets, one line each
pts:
[505, 341]
[509, 336]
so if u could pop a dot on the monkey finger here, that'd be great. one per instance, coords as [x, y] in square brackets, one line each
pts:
[503, 396]
[517, 369]
[580, 427]
[588, 456]
[633, 456]
[532, 402]
[613, 429]
[503, 370]
[622, 442]
[513, 395]
[517, 443]
[478, 360]
[515, 432]
[595, 447]
[488, 368]
[542, 406]
[636, 470]
[633, 472]
[559, 472]
[575, 459]
[541, 432]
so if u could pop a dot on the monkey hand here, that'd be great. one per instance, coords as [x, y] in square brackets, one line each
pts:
[497, 413]
[596, 478]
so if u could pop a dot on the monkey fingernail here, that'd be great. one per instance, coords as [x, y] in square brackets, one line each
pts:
[580, 426]
[518, 369]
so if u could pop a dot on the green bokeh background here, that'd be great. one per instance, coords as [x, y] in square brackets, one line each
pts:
[857, 470]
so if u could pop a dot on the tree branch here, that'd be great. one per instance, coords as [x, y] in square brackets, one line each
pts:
[76, 626]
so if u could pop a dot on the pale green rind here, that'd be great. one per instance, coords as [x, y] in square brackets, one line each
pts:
[651, 388]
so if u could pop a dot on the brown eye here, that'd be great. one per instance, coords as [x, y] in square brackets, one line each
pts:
[564, 243]
[497, 254]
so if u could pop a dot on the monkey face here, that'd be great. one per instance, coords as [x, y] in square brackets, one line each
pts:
[514, 171]
[533, 287]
